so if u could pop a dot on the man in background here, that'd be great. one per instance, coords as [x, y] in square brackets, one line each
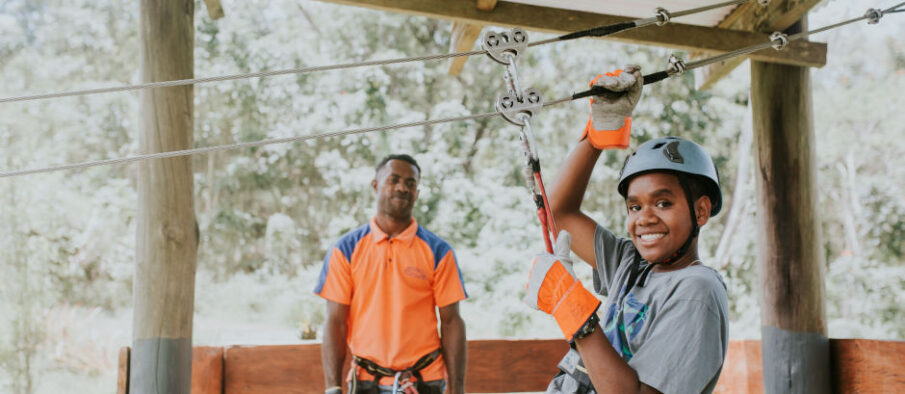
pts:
[383, 283]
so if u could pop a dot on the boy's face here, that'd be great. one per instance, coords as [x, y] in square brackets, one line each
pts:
[659, 220]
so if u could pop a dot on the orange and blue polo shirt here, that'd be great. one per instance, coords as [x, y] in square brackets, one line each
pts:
[392, 286]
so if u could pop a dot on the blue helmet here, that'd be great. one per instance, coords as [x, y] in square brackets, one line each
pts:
[676, 155]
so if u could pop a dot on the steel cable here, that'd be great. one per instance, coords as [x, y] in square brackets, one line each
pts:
[606, 30]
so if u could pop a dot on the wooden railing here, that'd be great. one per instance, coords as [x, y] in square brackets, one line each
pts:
[501, 366]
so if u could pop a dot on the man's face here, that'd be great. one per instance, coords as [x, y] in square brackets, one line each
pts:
[396, 187]
[658, 220]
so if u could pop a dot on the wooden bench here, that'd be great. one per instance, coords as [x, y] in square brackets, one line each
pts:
[500, 366]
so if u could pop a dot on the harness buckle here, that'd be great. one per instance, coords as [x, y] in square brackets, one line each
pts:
[516, 109]
[513, 42]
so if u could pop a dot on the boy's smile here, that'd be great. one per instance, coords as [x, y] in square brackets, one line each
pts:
[659, 220]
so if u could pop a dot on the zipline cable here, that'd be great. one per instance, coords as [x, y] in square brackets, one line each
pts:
[777, 41]
[873, 15]
[251, 144]
[661, 18]
[595, 32]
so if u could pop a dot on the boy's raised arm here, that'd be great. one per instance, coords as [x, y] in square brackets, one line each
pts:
[608, 127]
[566, 197]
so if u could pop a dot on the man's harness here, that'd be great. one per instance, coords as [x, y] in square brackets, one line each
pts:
[401, 378]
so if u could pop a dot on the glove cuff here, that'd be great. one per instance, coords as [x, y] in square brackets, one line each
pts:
[574, 308]
[608, 139]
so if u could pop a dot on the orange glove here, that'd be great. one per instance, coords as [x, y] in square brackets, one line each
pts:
[553, 288]
[610, 123]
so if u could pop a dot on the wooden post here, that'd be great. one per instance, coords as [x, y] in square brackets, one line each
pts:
[167, 240]
[795, 347]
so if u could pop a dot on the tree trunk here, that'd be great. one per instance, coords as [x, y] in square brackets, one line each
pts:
[167, 240]
[795, 346]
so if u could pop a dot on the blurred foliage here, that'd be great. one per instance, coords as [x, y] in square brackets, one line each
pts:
[268, 214]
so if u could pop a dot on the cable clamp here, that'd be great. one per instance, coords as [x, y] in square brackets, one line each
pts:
[873, 16]
[496, 44]
[780, 40]
[676, 65]
[516, 109]
[663, 16]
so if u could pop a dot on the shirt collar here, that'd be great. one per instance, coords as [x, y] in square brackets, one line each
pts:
[406, 236]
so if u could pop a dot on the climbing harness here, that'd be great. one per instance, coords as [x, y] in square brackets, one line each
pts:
[405, 381]
[518, 106]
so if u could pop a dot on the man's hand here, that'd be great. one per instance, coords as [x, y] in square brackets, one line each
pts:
[552, 288]
[610, 123]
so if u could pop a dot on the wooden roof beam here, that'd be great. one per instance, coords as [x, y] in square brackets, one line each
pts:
[777, 16]
[464, 35]
[709, 40]
[214, 9]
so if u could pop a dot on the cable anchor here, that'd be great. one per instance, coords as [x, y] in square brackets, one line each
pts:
[663, 16]
[497, 44]
[676, 65]
[780, 40]
[873, 16]
[516, 108]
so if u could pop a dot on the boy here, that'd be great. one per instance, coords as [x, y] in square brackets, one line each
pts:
[666, 317]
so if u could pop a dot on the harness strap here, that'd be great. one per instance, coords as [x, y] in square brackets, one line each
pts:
[379, 371]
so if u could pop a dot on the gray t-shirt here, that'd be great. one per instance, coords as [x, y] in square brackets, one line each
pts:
[672, 327]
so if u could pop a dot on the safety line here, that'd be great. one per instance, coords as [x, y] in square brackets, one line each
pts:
[597, 32]
[250, 144]
[661, 18]
[777, 41]
[679, 67]
[192, 81]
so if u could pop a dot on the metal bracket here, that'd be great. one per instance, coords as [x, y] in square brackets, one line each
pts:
[663, 16]
[780, 40]
[514, 109]
[676, 65]
[496, 44]
[873, 16]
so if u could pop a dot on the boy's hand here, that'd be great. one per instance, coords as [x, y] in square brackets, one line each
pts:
[610, 123]
[552, 288]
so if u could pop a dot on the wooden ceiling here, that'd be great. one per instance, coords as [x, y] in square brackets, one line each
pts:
[705, 34]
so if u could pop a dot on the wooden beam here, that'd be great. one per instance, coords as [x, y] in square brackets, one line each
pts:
[464, 35]
[790, 253]
[166, 231]
[486, 5]
[750, 16]
[554, 20]
[463, 39]
[214, 9]
[122, 376]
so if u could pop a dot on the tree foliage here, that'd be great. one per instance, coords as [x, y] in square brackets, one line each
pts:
[267, 215]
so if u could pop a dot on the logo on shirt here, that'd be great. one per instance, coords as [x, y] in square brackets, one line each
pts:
[624, 321]
[414, 272]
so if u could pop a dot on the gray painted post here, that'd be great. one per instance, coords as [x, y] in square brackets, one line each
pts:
[167, 240]
[794, 344]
